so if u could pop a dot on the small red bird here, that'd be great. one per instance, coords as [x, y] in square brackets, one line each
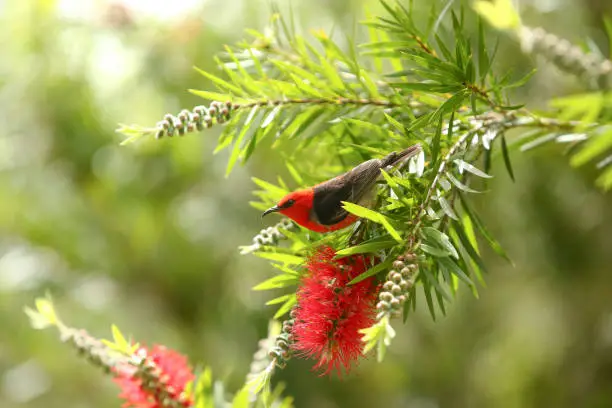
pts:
[319, 208]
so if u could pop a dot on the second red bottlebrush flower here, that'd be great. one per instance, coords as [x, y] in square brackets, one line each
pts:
[172, 376]
[330, 313]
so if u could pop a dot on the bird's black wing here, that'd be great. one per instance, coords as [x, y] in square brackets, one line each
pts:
[351, 186]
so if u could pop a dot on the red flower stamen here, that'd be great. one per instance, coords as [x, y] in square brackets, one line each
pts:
[173, 376]
[330, 313]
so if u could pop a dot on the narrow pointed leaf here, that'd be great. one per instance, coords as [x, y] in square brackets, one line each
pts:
[506, 155]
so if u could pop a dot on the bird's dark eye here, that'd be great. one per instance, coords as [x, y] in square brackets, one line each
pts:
[288, 203]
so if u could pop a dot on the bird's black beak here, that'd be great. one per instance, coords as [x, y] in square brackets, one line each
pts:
[270, 210]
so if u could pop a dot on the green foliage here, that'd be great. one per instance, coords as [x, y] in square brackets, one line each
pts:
[324, 109]
[434, 85]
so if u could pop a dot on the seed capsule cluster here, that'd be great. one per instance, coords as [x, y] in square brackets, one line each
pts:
[567, 57]
[394, 291]
[281, 352]
[90, 347]
[269, 236]
[200, 118]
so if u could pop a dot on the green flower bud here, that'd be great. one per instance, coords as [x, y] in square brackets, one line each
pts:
[396, 290]
[395, 304]
[199, 110]
[163, 124]
[184, 116]
[406, 272]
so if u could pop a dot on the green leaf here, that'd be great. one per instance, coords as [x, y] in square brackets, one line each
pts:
[483, 56]
[373, 216]
[277, 282]
[212, 96]
[371, 272]
[437, 252]
[44, 315]
[277, 300]
[220, 82]
[426, 87]
[444, 49]
[280, 257]
[286, 307]
[379, 335]
[447, 207]
[605, 179]
[460, 185]
[522, 81]
[241, 399]
[538, 142]
[294, 173]
[584, 107]
[37, 321]
[432, 280]
[506, 155]
[120, 341]
[483, 231]
[450, 105]
[367, 247]
[468, 244]
[435, 144]
[453, 268]
[361, 212]
[597, 144]
[275, 191]
[235, 151]
[463, 165]
[440, 239]
[261, 381]
[271, 116]
[398, 126]
[429, 300]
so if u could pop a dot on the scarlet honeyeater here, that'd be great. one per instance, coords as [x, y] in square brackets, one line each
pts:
[320, 208]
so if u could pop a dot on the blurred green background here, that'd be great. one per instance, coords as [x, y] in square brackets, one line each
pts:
[146, 236]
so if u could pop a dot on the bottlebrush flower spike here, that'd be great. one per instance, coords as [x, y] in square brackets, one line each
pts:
[329, 313]
[161, 382]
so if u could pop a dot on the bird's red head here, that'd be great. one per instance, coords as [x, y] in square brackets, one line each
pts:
[296, 205]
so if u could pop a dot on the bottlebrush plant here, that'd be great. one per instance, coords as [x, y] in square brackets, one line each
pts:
[431, 84]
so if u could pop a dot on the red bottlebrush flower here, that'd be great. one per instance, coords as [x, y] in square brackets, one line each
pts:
[173, 373]
[329, 313]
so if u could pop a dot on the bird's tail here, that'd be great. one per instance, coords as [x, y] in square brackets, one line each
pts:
[394, 158]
